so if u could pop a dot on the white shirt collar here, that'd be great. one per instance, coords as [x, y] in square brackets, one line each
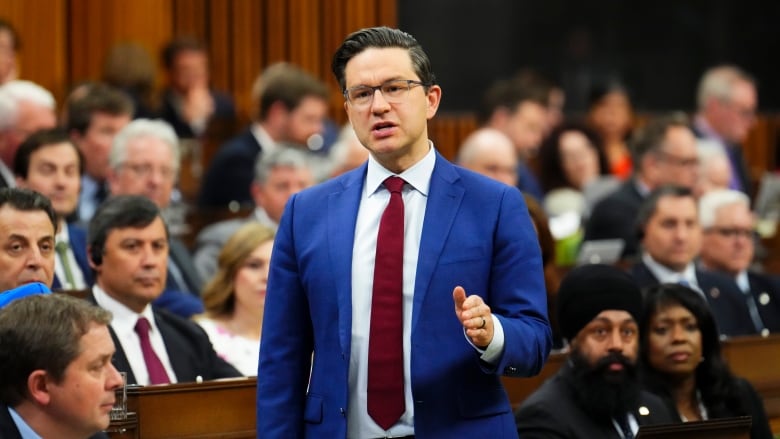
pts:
[666, 275]
[124, 319]
[743, 282]
[417, 176]
[62, 233]
[263, 138]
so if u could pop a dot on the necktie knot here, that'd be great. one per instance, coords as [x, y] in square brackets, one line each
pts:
[142, 327]
[61, 247]
[394, 184]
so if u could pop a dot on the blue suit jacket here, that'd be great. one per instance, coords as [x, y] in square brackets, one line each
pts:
[231, 172]
[476, 233]
[78, 243]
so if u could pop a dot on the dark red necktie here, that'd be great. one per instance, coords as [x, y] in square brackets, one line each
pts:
[385, 346]
[157, 373]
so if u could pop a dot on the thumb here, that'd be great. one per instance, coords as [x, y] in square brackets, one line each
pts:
[459, 296]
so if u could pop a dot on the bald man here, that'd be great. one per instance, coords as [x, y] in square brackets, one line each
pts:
[490, 152]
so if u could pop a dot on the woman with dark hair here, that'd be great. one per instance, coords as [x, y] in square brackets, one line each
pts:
[680, 361]
[611, 114]
[571, 157]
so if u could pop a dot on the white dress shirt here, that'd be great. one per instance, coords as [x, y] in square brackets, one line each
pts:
[373, 201]
[665, 275]
[123, 325]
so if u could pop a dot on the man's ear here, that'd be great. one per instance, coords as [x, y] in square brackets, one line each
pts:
[38, 387]
[94, 258]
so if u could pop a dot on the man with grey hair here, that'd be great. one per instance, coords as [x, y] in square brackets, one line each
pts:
[25, 107]
[727, 102]
[714, 168]
[278, 175]
[145, 160]
[490, 152]
[728, 247]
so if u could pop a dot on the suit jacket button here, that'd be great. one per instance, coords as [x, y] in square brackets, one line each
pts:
[763, 298]
[342, 411]
[510, 369]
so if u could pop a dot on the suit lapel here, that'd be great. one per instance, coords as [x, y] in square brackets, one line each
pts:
[120, 359]
[444, 198]
[342, 217]
[175, 346]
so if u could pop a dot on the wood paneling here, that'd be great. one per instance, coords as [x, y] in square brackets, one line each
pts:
[66, 41]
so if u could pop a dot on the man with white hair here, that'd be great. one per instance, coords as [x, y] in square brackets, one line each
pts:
[727, 102]
[25, 107]
[728, 248]
[145, 160]
[490, 152]
[714, 168]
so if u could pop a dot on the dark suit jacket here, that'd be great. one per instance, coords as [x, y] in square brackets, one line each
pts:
[188, 347]
[765, 291]
[736, 159]
[615, 217]
[231, 173]
[224, 111]
[8, 428]
[724, 297]
[78, 243]
[476, 233]
[552, 412]
[752, 403]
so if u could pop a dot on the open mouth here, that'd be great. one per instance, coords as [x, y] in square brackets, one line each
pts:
[381, 129]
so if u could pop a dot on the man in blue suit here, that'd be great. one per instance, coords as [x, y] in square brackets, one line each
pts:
[49, 163]
[469, 293]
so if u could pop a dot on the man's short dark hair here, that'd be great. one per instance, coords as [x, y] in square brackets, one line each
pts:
[179, 45]
[42, 332]
[38, 140]
[6, 25]
[509, 94]
[288, 84]
[650, 205]
[650, 138]
[119, 212]
[382, 37]
[28, 201]
[90, 98]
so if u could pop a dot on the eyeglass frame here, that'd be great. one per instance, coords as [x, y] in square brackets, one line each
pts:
[733, 232]
[144, 170]
[410, 83]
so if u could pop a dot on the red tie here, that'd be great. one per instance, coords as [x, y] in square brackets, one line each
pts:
[154, 366]
[385, 345]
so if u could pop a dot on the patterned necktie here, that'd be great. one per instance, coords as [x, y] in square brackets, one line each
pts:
[62, 252]
[157, 373]
[385, 390]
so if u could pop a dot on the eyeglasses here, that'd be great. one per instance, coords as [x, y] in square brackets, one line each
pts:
[686, 162]
[143, 170]
[393, 91]
[734, 232]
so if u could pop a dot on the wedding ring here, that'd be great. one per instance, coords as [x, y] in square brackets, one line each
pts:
[483, 323]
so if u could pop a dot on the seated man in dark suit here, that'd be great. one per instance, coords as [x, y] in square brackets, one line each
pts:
[664, 152]
[291, 108]
[48, 162]
[188, 102]
[56, 376]
[671, 238]
[596, 394]
[128, 249]
[728, 247]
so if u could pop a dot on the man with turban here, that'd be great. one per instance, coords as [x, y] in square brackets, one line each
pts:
[596, 393]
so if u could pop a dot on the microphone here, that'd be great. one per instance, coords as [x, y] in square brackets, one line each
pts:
[25, 290]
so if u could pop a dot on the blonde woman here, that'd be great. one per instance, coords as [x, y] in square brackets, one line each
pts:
[235, 297]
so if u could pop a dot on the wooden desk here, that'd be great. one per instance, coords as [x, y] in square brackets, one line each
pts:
[214, 409]
[519, 389]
